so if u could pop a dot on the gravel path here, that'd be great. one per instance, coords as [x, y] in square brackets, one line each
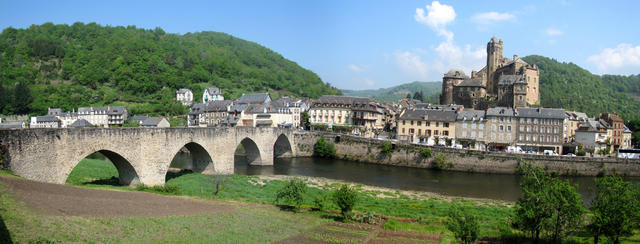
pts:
[54, 199]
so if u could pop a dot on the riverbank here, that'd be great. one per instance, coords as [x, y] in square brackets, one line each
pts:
[411, 155]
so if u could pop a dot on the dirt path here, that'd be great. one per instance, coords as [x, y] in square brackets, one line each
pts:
[53, 199]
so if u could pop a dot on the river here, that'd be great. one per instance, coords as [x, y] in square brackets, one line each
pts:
[476, 185]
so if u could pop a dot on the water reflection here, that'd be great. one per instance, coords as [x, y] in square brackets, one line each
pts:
[492, 186]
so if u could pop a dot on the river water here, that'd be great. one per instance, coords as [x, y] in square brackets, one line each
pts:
[477, 185]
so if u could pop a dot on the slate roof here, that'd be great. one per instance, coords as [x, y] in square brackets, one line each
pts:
[456, 73]
[238, 107]
[116, 110]
[255, 98]
[573, 115]
[183, 91]
[256, 109]
[151, 121]
[11, 126]
[217, 106]
[431, 115]
[54, 111]
[329, 99]
[81, 123]
[88, 110]
[626, 129]
[501, 111]
[139, 117]
[471, 82]
[213, 90]
[47, 118]
[545, 113]
[591, 126]
[197, 108]
[510, 79]
[471, 115]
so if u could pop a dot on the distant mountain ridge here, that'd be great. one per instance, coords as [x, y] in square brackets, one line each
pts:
[431, 91]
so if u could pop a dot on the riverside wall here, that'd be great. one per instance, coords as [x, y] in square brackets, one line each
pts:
[409, 155]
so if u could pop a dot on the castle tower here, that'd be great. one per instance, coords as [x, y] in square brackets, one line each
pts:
[494, 58]
[451, 79]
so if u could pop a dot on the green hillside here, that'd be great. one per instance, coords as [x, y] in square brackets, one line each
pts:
[571, 87]
[88, 64]
[431, 92]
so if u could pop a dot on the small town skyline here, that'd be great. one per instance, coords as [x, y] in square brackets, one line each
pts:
[358, 45]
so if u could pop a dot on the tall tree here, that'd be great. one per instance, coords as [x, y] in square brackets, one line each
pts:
[616, 209]
[3, 97]
[22, 98]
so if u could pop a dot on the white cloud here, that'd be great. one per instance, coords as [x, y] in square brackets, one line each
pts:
[369, 82]
[356, 68]
[412, 64]
[554, 32]
[623, 59]
[489, 18]
[437, 17]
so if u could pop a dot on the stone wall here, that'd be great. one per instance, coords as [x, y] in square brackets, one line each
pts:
[408, 155]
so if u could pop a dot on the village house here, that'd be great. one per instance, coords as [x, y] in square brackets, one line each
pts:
[155, 122]
[184, 96]
[501, 128]
[431, 127]
[592, 135]
[541, 129]
[470, 129]
[46, 121]
[214, 113]
[212, 94]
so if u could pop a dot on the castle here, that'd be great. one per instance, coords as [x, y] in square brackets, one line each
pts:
[503, 82]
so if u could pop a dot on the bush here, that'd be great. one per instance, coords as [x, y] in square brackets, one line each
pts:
[387, 149]
[425, 152]
[324, 149]
[346, 199]
[463, 224]
[292, 192]
[439, 162]
[322, 201]
[166, 189]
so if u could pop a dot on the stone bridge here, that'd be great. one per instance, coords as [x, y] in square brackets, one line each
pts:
[141, 155]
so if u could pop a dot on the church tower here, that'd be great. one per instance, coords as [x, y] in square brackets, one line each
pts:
[494, 58]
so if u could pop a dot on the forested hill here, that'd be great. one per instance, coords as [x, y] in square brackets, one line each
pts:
[430, 90]
[88, 64]
[569, 86]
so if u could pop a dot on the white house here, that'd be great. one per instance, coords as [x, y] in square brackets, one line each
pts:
[212, 94]
[47, 121]
[184, 96]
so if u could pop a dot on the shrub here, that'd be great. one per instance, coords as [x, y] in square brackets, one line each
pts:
[292, 192]
[322, 201]
[463, 224]
[425, 152]
[324, 149]
[387, 149]
[439, 162]
[168, 189]
[346, 199]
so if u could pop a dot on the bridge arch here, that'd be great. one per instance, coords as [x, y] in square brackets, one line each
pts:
[196, 159]
[282, 147]
[252, 151]
[127, 174]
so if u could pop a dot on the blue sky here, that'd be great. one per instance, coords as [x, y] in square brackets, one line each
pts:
[373, 44]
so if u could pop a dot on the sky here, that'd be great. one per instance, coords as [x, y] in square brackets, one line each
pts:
[363, 44]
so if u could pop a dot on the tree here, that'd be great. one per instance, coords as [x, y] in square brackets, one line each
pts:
[22, 98]
[346, 198]
[324, 149]
[418, 96]
[387, 149]
[304, 120]
[616, 209]
[292, 192]
[463, 224]
[3, 97]
[547, 204]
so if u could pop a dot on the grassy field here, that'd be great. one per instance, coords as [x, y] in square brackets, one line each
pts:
[406, 214]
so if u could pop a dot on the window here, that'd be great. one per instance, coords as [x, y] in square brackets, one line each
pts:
[555, 130]
[411, 131]
[535, 128]
[528, 120]
[520, 137]
[402, 130]
[412, 122]
[528, 128]
[464, 134]
[501, 128]
[528, 138]
[445, 133]
[428, 123]
[437, 124]
[508, 128]
[549, 130]
[481, 126]
[501, 119]
[446, 124]
[535, 121]
[493, 127]
[473, 125]
[521, 120]
[535, 138]
[428, 132]
[473, 134]
[480, 134]
[500, 137]
[522, 128]
[435, 132]
[419, 123]
[510, 119]
[419, 131]
[404, 122]
[508, 137]
[548, 138]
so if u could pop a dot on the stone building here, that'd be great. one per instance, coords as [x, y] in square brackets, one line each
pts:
[592, 135]
[541, 129]
[574, 120]
[212, 94]
[184, 96]
[502, 82]
[501, 128]
[470, 129]
[431, 127]
[47, 121]
[214, 112]
[615, 129]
